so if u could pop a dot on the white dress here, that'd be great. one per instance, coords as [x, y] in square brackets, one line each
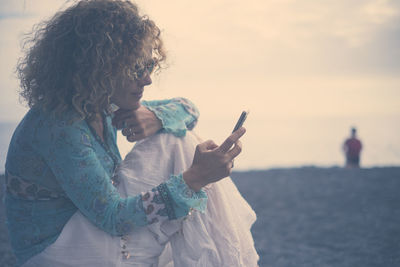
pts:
[219, 237]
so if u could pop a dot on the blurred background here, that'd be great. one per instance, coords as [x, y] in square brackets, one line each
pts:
[306, 70]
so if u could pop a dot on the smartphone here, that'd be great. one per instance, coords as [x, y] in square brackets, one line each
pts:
[241, 120]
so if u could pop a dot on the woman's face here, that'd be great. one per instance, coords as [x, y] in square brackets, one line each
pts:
[129, 93]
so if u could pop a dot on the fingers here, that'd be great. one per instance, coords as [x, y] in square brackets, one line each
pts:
[133, 134]
[227, 144]
[127, 131]
[135, 137]
[132, 131]
[235, 151]
[215, 162]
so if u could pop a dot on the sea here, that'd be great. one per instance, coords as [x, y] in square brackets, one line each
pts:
[288, 142]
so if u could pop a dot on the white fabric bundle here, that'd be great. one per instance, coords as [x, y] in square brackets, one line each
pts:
[219, 237]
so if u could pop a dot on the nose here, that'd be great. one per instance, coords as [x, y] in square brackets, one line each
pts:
[146, 80]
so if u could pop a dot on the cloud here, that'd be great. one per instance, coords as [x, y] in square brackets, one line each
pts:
[286, 37]
[234, 43]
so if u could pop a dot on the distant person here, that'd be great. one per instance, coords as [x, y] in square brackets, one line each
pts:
[352, 149]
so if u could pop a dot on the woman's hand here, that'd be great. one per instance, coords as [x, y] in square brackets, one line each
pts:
[136, 124]
[211, 162]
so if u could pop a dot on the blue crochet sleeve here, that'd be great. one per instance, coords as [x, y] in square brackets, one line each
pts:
[68, 151]
[177, 114]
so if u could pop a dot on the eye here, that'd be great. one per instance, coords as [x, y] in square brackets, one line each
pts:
[141, 70]
[151, 65]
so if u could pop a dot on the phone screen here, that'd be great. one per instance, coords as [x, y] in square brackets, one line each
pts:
[241, 120]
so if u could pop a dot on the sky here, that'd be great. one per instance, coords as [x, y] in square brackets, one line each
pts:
[281, 59]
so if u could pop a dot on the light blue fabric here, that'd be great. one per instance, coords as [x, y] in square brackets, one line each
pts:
[184, 198]
[174, 114]
[67, 158]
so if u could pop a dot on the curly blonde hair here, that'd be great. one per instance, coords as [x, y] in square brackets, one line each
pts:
[76, 59]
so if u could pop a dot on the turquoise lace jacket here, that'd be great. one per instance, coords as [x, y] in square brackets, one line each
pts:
[55, 167]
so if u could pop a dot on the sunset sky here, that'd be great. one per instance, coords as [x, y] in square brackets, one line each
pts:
[278, 58]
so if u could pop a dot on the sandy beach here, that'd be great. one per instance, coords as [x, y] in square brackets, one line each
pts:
[313, 216]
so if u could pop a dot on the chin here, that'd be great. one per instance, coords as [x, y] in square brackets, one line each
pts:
[136, 106]
[131, 106]
[128, 104]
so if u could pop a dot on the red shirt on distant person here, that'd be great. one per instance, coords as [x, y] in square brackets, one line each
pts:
[352, 148]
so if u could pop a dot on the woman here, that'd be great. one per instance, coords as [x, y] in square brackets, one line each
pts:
[63, 154]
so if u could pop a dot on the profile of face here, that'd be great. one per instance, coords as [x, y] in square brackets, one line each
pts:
[128, 93]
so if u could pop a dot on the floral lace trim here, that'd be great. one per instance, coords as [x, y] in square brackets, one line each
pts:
[164, 194]
[157, 205]
[21, 188]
